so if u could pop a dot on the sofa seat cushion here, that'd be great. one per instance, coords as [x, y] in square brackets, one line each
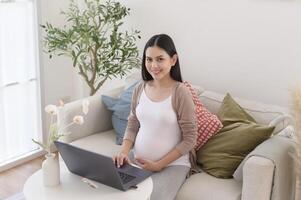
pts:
[102, 143]
[203, 186]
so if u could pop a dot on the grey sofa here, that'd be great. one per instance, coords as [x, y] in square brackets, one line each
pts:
[97, 135]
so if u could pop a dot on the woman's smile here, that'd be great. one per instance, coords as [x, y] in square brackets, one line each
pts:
[158, 63]
[156, 72]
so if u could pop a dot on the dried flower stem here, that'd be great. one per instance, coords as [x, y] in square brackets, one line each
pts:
[55, 132]
[49, 137]
[296, 112]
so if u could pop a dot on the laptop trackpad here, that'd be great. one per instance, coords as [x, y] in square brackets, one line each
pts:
[134, 171]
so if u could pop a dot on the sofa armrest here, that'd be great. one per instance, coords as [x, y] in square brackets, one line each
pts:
[281, 122]
[97, 120]
[257, 178]
[253, 171]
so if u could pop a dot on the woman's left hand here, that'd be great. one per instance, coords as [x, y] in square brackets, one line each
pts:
[149, 165]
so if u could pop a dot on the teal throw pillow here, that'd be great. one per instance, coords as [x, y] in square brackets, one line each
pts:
[121, 109]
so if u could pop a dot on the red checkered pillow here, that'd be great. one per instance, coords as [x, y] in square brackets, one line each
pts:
[208, 123]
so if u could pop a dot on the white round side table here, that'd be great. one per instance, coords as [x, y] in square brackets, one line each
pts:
[72, 188]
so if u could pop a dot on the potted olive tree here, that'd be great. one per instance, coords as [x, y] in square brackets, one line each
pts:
[93, 40]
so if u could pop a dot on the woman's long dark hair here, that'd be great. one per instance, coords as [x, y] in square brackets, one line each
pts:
[164, 42]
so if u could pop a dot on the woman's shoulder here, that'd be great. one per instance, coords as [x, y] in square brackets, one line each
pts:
[181, 89]
[139, 85]
[182, 98]
[181, 93]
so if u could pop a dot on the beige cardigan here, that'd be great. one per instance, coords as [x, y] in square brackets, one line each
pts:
[183, 106]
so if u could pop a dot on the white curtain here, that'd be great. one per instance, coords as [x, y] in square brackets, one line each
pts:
[19, 102]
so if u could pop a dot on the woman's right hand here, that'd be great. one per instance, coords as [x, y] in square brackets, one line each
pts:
[120, 159]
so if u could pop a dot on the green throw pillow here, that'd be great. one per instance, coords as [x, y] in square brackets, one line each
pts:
[222, 154]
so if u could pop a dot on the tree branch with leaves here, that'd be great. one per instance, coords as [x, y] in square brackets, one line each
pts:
[93, 40]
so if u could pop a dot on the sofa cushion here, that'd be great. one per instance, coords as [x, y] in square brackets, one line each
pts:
[202, 186]
[263, 113]
[240, 135]
[121, 110]
[99, 143]
[208, 124]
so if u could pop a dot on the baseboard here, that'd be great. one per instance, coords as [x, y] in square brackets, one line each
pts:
[20, 160]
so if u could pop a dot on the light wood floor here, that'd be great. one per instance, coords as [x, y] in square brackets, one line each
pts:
[12, 180]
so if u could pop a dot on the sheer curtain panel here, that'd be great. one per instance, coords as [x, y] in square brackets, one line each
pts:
[20, 119]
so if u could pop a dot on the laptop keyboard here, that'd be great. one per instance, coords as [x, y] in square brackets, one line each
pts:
[125, 177]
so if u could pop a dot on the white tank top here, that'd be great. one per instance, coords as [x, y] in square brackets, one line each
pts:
[159, 130]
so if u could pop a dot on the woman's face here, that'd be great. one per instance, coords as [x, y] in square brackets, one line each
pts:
[158, 63]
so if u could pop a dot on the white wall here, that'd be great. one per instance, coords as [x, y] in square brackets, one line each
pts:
[250, 48]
